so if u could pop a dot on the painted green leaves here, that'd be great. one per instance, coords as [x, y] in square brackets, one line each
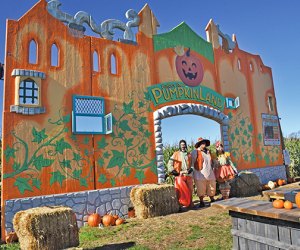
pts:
[40, 162]
[242, 137]
[131, 136]
[43, 151]
[38, 136]
[117, 159]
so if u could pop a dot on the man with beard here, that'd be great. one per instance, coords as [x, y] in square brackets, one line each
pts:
[179, 165]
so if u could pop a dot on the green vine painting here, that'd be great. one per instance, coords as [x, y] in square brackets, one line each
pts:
[48, 151]
[241, 137]
[124, 152]
[130, 139]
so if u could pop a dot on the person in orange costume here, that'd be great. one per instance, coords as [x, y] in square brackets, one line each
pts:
[204, 176]
[225, 170]
[179, 165]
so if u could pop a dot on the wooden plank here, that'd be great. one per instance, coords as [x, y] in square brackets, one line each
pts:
[260, 208]
[243, 243]
[261, 231]
[272, 233]
[284, 234]
[251, 229]
[235, 239]
[295, 235]
[266, 241]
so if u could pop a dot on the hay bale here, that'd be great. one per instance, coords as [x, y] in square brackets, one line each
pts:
[46, 228]
[153, 200]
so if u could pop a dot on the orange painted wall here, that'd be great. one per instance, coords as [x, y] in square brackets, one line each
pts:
[42, 156]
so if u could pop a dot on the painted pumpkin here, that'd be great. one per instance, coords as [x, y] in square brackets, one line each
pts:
[297, 199]
[288, 205]
[94, 220]
[278, 204]
[189, 69]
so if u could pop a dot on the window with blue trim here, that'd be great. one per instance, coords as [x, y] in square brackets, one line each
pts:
[88, 116]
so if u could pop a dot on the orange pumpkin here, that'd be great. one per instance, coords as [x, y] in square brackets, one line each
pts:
[131, 212]
[119, 221]
[11, 237]
[297, 199]
[280, 182]
[108, 220]
[94, 220]
[288, 205]
[278, 204]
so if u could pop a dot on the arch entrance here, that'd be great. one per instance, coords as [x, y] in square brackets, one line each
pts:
[182, 109]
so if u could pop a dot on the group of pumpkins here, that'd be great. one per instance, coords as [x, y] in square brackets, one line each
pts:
[107, 220]
[274, 184]
[287, 204]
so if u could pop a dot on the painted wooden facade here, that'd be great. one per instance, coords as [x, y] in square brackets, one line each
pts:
[41, 154]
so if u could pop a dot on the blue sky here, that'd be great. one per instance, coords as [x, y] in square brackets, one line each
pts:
[265, 27]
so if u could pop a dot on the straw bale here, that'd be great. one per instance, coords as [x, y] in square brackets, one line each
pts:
[153, 200]
[46, 228]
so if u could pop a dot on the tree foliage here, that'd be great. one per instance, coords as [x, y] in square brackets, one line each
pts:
[293, 146]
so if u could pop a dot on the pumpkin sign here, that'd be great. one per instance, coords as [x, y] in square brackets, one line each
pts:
[189, 67]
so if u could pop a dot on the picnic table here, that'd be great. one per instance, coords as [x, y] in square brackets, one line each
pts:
[256, 224]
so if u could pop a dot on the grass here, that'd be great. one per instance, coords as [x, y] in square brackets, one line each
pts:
[207, 228]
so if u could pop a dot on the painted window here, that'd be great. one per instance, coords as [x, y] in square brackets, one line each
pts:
[251, 66]
[96, 62]
[88, 116]
[28, 92]
[270, 103]
[239, 64]
[232, 103]
[113, 64]
[32, 52]
[54, 55]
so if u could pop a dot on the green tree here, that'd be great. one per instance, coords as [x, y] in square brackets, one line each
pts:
[293, 146]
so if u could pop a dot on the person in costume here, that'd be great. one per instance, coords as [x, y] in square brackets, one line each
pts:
[204, 176]
[224, 169]
[179, 165]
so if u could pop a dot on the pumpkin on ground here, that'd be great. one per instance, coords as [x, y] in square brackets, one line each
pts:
[280, 182]
[131, 212]
[288, 205]
[278, 204]
[297, 199]
[119, 221]
[108, 220]
[94, 220]
[271, 184]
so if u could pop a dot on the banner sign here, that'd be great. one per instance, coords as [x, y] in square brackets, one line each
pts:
[177, 91]
[271, 129]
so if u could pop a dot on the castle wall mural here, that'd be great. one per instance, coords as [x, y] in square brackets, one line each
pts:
[84, 114]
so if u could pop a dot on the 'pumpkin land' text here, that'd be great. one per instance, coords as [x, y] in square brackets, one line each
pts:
[174, 91]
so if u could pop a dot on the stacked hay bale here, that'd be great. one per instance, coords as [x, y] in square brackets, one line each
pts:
[153, 200]
[46, 228]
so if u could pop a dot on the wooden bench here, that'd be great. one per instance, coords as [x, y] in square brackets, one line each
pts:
[283, 193]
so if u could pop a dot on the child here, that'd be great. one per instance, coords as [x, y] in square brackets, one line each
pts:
[224, 170]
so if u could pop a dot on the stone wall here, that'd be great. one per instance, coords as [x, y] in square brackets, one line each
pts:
[269, 173]
[114, 200]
